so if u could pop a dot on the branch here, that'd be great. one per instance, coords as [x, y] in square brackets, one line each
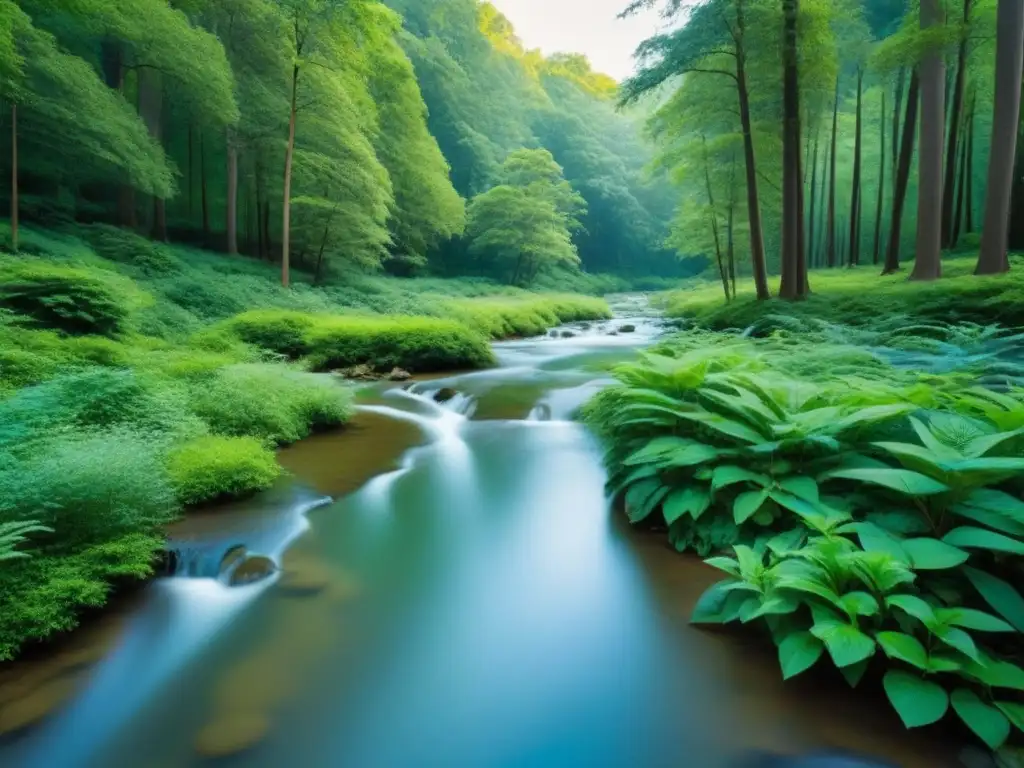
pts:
[701, 71]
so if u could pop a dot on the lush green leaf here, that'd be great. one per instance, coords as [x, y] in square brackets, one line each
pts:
[989, 723]
[846, 643]
[932, 554]
[907, 648]
[917, 701]
[747, 504]
[979, 538]
[798, 652]
[901, 480]
[1002, 597]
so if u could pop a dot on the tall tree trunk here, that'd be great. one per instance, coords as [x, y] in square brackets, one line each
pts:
[266, 227]
[731, 241]
[881, 182]
[897, 107]
[14, 178]
[714, 222]
[831, 224]
[112, 64]
[204, 198]
[952, 145]
[928, 255]
[1005, 118]
[902, 178]
[232, 201]
[855, 190]
[151, 101]
[793, 284]
[969, 192]
[286, 221]
[757, 258]
[812, 245]
[958, 208]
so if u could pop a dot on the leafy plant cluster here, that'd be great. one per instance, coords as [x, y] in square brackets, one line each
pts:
[867, 522]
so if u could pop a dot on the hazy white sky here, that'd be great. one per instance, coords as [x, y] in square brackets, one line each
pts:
[581, 26]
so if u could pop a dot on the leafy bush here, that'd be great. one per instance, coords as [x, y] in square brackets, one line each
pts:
[74, 301]
[508, 317]
[270, 402]
[278, 330]
[417, 344]
[127, 247]
[12, 534]
[863, 515]
[215, 467]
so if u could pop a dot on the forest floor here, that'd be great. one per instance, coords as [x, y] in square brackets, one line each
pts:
[139, 379]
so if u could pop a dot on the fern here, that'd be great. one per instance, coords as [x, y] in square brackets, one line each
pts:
[14, 533]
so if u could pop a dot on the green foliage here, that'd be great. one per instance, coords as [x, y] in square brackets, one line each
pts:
[12, 534]
[215, 467]
[269, 402]
[126, 247]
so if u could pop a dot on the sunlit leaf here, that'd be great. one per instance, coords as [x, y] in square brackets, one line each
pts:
[917, 701]
[798, 652]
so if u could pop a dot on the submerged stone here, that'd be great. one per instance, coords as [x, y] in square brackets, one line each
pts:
[232, 734]
[567, 334]
[231, 559]
[444, 394]
[397, 374]
[627, 328]
[252, 569]
[303, 578]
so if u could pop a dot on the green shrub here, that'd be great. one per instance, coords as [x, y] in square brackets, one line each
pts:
[216, 467]
[278, 330]
[270, 402]
[502, 318]
[44, 594]
[416, 344]
[127, 247]
[74, 301]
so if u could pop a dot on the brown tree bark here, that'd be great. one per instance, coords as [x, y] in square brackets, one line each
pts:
[969, 192]
[812, 244]
[958, 207]
[730, 248]
[831, 223]
[952, 145]
[928, 250]
[232, 201]
[151, 109]
[757, 257]
[902, 178]
[14, 178]
[855, 192]
[881, 183]
[992, 258]
[896, 109]
[793, 284]
[286, 221]
[714, 222]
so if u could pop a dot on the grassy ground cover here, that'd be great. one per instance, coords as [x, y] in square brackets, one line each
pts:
[860, 297]
[856, 486]
[137, 379]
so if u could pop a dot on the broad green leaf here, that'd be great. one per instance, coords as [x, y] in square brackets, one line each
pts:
[693, 500]
[846, 644]
[764, 515]
[788, 541]
[656, 447]
[900, 522]
[979, 538]
[730, 475]
[969, 618]
[643, 497]
[997, 501]
[777, 605]
[987, 722]
[750, 609]
[802, 487]
[901, 480]
[1003, 598]
[913, 606]
[990, 518]
[932, 554]
[711, 605]
[1014, 713]
[999, 465]
[932, 443]
[855, 672]
[982, 444]
[750, 562]
[727, 564]
[640, 473]
[687, 456]
[798, 652]
[728, 427]
[859, 604]
[907, 648]
[939, 662]
[995, 673]
[871, 415]
[957, 638]
[918, 702]
[874, 539]
[810, 586]
[747, 504]
[915, 457]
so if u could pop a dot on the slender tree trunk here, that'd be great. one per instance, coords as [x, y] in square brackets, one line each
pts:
[757, 258]
[14, 178]
[1005, 118]
[897, 107]
[232, 201]
[969, 202]
[902, 178]
[881, 182]
[928, 255]
[204, 198]
[794, 272]
[831, 224]
[823, 198]
[952, 145]
[812, 244]
[714, 222]
[286, 221]
[855, 190]
[266, 228]
[958, 209]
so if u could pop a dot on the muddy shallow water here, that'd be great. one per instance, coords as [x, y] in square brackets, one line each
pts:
[467, 600]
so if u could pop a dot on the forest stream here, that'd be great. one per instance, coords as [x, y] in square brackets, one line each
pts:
[466, 599]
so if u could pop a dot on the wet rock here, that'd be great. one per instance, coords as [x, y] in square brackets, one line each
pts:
[567, 334]
[303, 578]
[232, 558]
[36, 704]
[444, 394]
[627, 328]
[613, 333]
[553, 333]
[252, 569]
[397, 374]
[584, 326]
[361, 372]
[232, 734]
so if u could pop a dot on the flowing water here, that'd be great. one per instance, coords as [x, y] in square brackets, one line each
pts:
[468, 599]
